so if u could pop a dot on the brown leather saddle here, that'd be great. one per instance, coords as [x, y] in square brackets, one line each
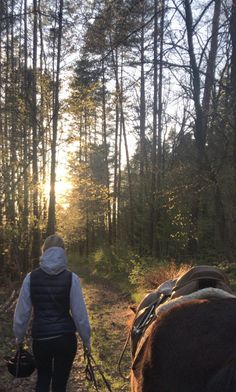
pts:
[197, 278]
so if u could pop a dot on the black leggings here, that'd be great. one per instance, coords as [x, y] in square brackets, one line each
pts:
[54, 359]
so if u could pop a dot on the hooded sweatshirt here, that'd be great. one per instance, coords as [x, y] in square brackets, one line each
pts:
[53, 262]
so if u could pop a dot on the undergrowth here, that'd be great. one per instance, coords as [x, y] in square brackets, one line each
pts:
[135, 275]
[127, 271]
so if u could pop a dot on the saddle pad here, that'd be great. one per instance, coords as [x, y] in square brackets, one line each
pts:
[208, 293]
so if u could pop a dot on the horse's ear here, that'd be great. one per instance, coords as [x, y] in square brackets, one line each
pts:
[133, 308]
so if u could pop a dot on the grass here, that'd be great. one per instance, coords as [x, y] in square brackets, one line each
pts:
[107, 318]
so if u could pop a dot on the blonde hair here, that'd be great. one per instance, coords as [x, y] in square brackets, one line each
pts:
[53, 240]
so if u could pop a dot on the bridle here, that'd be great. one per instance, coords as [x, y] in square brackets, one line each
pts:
[90, 370]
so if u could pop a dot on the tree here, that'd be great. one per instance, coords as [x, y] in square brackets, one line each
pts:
[52, 199]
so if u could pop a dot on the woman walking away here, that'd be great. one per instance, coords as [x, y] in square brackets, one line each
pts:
[54, 293]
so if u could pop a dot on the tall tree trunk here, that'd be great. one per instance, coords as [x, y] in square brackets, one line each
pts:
[233, 75]
[199, 133]
[156, 170]
[6, 164]
[116, 152]
[142, 142]
[104, 133]
[25, 218]
[2, 165]
[233, 102]
[142, 111]
[202, 112]
[119, 108]
[13, 159]
[52, 198]
[211, 64]
[36, 232]
[157, 249]
[42, 129]
[119, 228]
[152, 235]
[131, 203]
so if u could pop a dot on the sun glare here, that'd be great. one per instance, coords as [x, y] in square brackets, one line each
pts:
[63, 186]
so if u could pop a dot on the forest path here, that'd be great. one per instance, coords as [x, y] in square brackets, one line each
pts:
[109, 314]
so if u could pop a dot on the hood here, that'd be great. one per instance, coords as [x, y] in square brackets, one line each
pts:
[53, 261]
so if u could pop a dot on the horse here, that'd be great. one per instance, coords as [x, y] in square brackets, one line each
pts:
[190, 346]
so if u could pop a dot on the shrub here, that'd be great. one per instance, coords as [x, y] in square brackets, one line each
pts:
[149, 275]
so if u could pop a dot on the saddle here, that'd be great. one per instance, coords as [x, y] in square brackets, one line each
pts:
[146, 310]
[197, 279]
[201, 282]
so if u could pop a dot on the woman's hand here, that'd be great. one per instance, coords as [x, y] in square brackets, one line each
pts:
[19, 346]
[87, 350]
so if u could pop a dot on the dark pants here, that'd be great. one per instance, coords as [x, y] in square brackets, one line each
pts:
[54, 359]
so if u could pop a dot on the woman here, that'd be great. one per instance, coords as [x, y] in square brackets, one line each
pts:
[54, 293]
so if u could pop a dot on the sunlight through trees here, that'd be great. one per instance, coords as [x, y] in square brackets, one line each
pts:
[89, 79]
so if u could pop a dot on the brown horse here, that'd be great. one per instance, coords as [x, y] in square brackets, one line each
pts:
[190, 348]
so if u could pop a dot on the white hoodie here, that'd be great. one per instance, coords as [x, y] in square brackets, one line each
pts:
[53, 261]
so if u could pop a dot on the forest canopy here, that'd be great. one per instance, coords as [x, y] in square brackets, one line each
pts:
[139, 97]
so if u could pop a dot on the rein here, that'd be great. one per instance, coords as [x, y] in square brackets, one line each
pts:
[90, 369]
[121, 357]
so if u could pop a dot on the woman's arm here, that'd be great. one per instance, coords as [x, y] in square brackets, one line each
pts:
[79, 311]
[22, 311]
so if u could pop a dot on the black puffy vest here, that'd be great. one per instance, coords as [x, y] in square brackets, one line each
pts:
[50, 296]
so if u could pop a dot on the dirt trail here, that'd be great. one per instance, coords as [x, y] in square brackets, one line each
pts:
[109, 314]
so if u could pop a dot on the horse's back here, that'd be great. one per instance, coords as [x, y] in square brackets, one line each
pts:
[189, 346]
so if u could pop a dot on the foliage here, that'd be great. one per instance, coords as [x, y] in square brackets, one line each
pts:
[147, 109]
[148, 274]
[85, 210]
[107, 263]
